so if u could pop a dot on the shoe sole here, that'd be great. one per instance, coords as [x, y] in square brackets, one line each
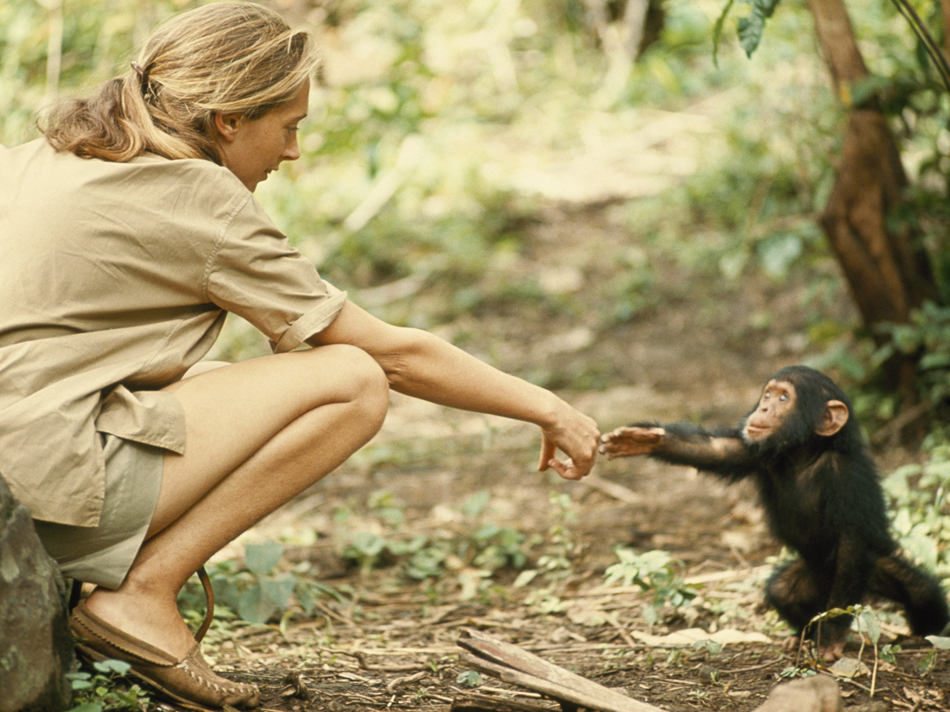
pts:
[98, 657]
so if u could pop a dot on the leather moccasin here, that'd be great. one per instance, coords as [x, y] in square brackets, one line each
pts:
[190, 681]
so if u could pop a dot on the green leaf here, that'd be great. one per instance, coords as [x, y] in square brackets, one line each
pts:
[717, 31]
[262, 558]
[751, 27]
[279, 590]
[525, 577]
[486, 531]
[779, 252]
[119, 667]
[255, 607]
[366, 544]
[476, 504]
[470, 678]
[868, 623]
[939, 642]
[306, 598]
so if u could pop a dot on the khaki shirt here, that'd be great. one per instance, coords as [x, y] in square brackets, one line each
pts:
[114, 279]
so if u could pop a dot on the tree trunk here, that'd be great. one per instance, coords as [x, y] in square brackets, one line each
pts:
[945, 12]
[888, 273]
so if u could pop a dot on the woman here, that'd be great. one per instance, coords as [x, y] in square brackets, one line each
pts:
[127, 235]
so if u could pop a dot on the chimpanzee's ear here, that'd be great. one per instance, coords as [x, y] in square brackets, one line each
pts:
[833, 419]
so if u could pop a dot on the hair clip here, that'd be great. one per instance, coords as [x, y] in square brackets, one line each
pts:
[138, 70]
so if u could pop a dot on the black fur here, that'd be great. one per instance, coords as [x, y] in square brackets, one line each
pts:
[822, 498]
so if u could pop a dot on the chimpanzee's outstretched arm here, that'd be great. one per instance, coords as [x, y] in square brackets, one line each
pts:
[722, 452]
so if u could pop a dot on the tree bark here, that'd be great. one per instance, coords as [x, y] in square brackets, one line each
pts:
[888, 273]
[945, 12]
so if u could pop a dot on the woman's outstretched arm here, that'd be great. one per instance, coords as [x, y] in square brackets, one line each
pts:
[422, 365]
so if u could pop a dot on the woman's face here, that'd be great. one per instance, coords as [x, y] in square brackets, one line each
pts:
[251, 149]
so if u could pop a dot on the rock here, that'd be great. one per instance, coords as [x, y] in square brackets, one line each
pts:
[818, 693]
[36, 649]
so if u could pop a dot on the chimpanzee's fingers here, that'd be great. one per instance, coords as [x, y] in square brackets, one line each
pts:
[631, 441]
[634, 433]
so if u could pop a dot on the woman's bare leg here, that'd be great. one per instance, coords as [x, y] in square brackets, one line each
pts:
[258, 433]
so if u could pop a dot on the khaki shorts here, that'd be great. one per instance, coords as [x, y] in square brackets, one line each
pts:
[103, 555]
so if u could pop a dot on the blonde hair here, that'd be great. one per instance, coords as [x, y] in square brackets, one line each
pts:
[228, 57]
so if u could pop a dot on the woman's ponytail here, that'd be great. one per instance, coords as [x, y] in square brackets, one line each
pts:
[228, 57]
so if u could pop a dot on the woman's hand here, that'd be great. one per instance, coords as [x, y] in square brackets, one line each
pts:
[577, 437]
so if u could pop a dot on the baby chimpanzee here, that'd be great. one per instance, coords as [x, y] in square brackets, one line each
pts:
[822, 497]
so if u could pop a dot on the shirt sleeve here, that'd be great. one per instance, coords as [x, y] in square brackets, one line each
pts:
[256, 274]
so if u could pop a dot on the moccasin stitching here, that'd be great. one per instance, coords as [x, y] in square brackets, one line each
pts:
[86, 625]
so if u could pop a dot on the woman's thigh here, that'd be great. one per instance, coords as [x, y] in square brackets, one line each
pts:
[233, 411]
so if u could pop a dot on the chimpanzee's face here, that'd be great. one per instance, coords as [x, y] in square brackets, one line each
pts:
[776, 403]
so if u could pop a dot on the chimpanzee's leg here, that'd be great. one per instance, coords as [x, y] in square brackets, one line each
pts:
[798, 597]
[925, 603]
[793, 592]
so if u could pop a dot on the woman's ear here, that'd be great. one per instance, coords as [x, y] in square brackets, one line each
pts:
[227, 124]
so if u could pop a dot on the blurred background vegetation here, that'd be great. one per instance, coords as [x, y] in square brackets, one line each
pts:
[441, 128]
[441, 131]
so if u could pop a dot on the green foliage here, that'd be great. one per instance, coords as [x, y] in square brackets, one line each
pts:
[930, 659]
[717, 29]
[97, 41]
[560, 541]
[102, 690]
[711, 647]
[867, 623]
[367, 548]
[470, 678]
[651, 571]
[472, 557]
[556, 560]
[263, 590]
[259, 593]
[927, 338]
[792, 672]
[633, 289]
[749, 27]
[919, 504]
[444, 101]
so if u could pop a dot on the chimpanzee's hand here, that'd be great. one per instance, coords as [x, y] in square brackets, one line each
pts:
[630, 441]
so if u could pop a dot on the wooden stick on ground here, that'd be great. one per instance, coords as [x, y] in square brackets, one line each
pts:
[517, 666]
[512, 664]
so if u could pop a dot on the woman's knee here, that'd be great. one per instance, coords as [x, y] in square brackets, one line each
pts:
[360, 377]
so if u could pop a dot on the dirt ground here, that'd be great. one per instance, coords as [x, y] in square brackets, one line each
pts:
[390, 643]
